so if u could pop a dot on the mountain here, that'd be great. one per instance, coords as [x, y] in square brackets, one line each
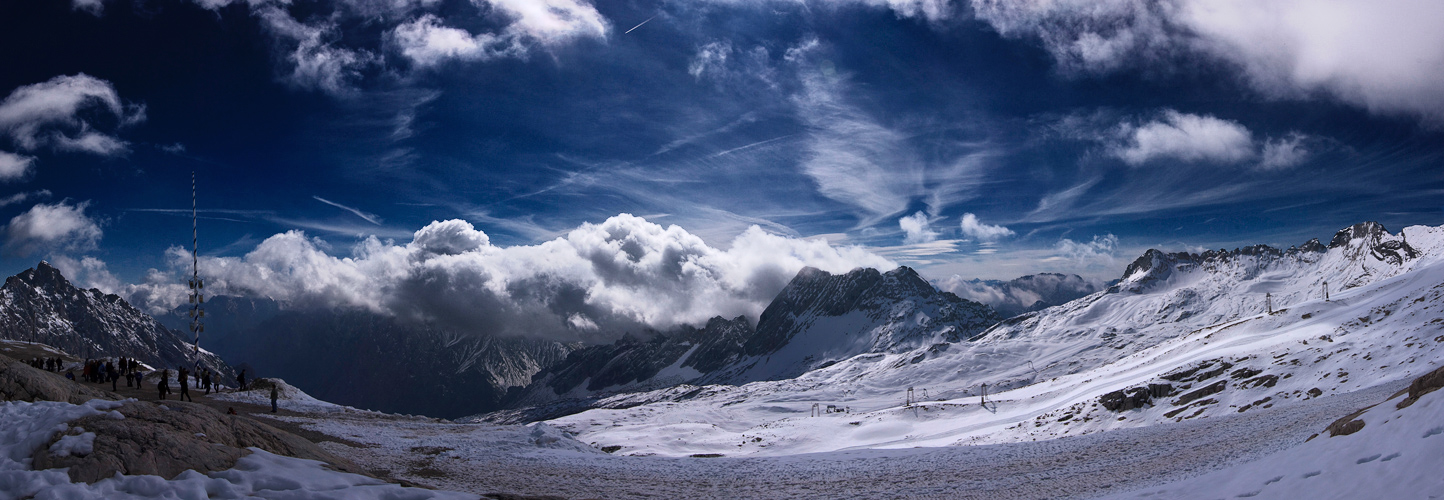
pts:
[225, 315]
[375, 361]
[40, 305]
[818, 319]
[1026, 294]
[1180, 336]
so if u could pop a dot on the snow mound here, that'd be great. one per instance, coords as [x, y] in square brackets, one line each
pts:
[289, 397]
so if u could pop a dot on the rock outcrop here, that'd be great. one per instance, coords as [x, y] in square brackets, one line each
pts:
[21, 382]
[167, 439]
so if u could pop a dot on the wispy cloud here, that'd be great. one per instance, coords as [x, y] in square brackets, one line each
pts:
[372, 218]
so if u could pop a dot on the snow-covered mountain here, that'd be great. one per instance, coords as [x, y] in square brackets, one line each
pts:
[40, 305]
[817, 320]
[1026, 294]
[1180, 336]
[380, 362]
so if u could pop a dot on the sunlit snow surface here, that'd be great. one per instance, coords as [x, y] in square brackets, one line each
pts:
[1382, 329]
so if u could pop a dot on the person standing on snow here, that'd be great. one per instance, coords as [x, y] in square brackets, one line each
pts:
[274, 394]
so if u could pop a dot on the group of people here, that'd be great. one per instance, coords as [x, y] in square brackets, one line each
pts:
[99, 371]
[47, 364]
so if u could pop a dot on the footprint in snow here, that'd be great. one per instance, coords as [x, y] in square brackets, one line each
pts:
[1311, 474]
[1434, 431]
[1249, 494]
[1390, 457]
[1368, 459]
[1274, 480]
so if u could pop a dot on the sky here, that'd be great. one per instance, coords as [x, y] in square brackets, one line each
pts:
[574, 164]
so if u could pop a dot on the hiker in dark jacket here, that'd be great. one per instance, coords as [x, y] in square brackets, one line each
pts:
[241, 380]
[206, 381]
[185, 395]
[164, 385]
[274, 394]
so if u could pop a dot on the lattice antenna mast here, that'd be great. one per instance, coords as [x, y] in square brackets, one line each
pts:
[197, 286]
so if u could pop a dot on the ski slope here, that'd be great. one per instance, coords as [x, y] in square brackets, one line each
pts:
[1048, 370]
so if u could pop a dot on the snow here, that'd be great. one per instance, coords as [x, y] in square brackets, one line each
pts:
[1045, 372]
[1396, 455]
[28, 426]
[289, 397]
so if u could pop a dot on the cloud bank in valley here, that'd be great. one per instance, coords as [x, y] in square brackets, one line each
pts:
[623, 273]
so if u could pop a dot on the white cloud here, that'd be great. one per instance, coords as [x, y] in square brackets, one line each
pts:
[711, 57]
[622, 272]
[23, 197]
[316, 63]
[95, 7]
[1185, 137]
[1095, 253]
[1284, 153]
[427, 43]
[88, 272]
[975, 229]
[50, 114]
[51, 227]
[13, 166]
[551, 21]
[916, 229]
[1386, 56]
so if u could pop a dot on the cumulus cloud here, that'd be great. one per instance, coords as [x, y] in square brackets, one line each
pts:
[1385, 56]
[1027, 293]
[427, 43]
[551, 21]
[315, 61]
[13, 166]
[916, 229]
[622, 273]
[1284, 153]
[50, 114]
[58, 226]
[1094, 253]
[95, 7]
[975, 229]
[1185, 137]
[87, 272]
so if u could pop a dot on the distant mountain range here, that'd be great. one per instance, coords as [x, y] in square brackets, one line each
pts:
[817, 320]
[40, 305]
[1026, 294]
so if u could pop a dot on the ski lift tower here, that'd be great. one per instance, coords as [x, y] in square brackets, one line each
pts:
[197, 286]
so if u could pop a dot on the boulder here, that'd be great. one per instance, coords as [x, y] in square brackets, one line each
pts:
[21, 382]
[1427, 383]
[165, 439]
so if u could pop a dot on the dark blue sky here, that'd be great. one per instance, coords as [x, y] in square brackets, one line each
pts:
[1076, 138]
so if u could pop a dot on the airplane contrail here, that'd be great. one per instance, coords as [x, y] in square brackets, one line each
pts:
[639, 25]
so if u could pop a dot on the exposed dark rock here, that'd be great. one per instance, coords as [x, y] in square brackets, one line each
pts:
[1348, 424]
[1425, 384]
[1208, 390]
[1128, 399]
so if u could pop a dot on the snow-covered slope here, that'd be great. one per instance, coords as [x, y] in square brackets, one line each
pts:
[817, 320]
[40, 305]
[1182, 336]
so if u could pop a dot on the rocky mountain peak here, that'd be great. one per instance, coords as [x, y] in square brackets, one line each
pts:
[1373, 230]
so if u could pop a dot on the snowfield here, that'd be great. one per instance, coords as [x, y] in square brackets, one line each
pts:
[1199, 328]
